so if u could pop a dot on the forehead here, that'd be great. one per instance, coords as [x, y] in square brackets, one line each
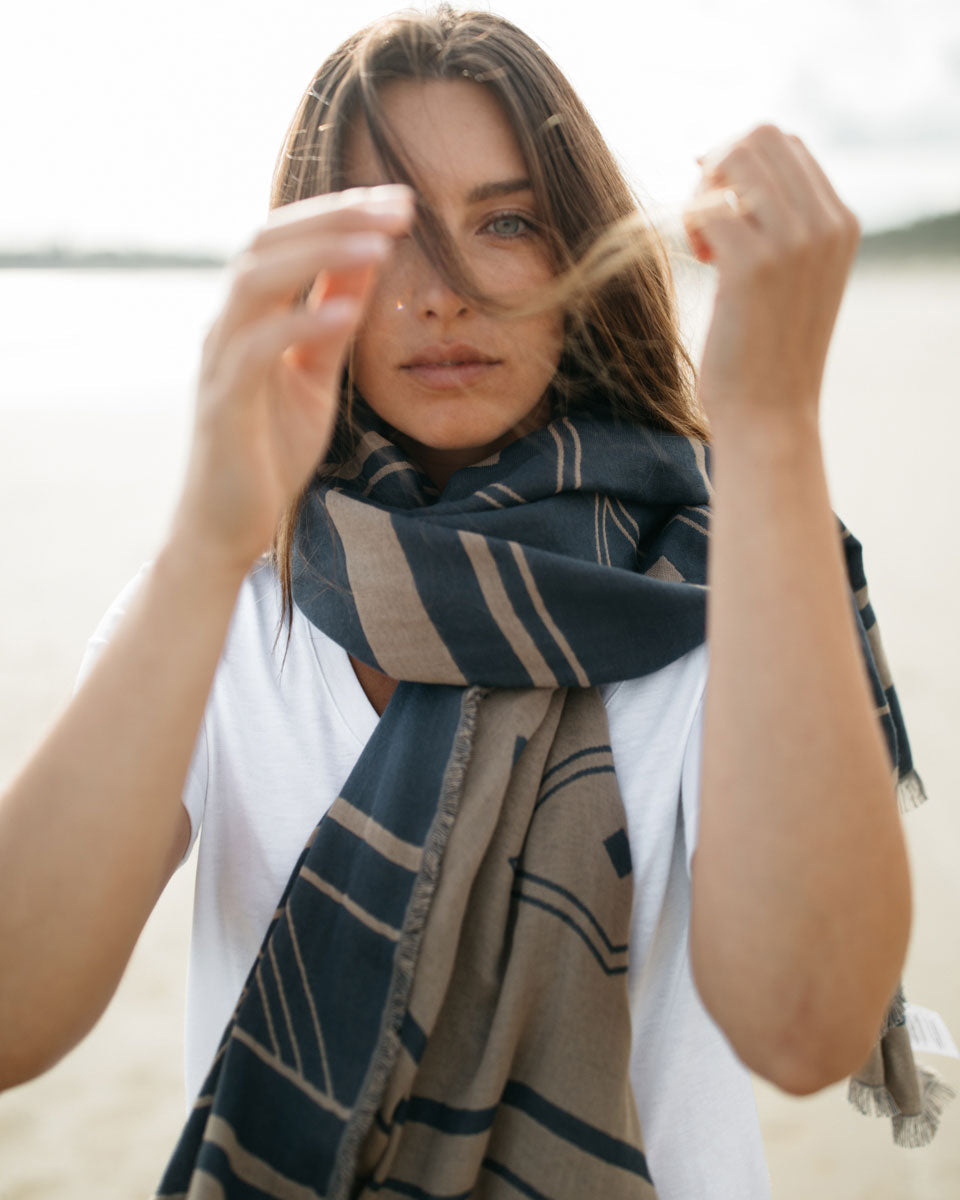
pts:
[453, 133]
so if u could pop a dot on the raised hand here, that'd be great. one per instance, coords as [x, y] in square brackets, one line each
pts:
[269, 380]
[783, 243]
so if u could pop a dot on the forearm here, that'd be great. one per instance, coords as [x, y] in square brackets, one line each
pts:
[801, 903]
[89, 830]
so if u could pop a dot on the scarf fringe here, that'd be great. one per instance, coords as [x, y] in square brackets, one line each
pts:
[408, 949]
[910, 1130]
[910, 792]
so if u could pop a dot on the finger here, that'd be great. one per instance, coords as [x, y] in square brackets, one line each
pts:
[749, 173]
[257, 348]
[388, 208]
[264, 282]
[719, 232]
[355, 285]
[822, 184]
[779, 151]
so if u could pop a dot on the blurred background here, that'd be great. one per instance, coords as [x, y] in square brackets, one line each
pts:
[139, 145]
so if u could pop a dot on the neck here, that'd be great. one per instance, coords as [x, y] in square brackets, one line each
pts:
[440, 463]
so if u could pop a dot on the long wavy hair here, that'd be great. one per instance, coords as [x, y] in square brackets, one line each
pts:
[622, 347]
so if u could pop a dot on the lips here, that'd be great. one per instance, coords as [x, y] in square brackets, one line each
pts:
[458, 354]
[452, 366]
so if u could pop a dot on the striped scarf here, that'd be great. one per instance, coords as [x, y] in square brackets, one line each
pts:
[440, 1005]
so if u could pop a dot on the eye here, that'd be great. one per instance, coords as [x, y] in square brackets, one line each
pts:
[510, 225]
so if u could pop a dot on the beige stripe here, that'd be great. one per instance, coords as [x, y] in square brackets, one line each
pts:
[510, 492]
[490, 499]
[254, 1170]
[321, 1099]
[266, 1007]
[879, 657]
[687, 521]
[534, 593]
[203, 1186]
[861, 597]
[295, 942]
[663, 568]
[383, 590]
[559, 440]
[623, 529]
[283, 1004]
[636, 527]
[577, 451]
[603, 527]
[397, 850]
[369, 444]
[503, 612]
[700, 456]
[596, 526]
[350, 905]
[388, 469]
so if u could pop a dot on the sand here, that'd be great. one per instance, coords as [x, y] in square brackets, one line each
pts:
[85, 492]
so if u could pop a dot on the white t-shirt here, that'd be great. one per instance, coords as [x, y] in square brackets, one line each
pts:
[283, 728]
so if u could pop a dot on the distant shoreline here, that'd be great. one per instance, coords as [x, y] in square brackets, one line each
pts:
[932, 238]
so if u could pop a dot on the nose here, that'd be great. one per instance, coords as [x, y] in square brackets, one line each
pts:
[428, 293]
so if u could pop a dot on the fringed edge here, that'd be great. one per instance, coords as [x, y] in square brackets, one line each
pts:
[910, 792]
[408, 949]
[871, 1101]
[918, 1129]
[910, 1130]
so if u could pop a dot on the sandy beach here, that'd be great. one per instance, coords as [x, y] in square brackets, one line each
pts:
[86, 485]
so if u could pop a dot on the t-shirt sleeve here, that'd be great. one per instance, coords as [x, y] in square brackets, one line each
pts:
[690, 781]
[195, 786]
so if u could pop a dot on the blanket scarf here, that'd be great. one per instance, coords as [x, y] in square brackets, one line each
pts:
[440, 1007]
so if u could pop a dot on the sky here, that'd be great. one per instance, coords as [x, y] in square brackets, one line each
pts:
[123, 124]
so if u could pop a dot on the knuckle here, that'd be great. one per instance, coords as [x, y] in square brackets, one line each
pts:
[852, 226]
[243, 274]
[764, 133]
[738, 157]
[797, 240]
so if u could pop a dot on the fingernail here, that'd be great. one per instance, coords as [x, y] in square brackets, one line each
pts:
[339, 310]
[391, 197]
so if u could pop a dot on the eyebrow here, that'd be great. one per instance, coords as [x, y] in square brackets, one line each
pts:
[500, 187]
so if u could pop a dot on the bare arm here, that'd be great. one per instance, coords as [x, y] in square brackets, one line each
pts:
[801, 896]
[93, 827]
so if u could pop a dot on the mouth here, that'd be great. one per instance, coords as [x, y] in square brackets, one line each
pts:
[456, 366]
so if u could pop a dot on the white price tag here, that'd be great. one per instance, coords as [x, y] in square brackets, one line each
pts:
[928, 1032]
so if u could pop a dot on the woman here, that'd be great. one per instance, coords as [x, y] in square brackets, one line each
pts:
[512, 468]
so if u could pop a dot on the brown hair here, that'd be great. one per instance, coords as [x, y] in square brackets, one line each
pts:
[623, 348]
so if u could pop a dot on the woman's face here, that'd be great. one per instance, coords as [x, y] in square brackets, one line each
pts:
[457, 384]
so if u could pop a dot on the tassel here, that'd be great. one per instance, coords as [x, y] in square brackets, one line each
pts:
[910, 792]
[871, 1101]
[917, 1129]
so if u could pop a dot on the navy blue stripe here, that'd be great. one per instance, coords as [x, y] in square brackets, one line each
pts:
[576, 775]
[576, 929]
[521, 1185]
[574, 1130]
[569, 759]
[555, 887]
[412, 1037]
[446, 1118]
